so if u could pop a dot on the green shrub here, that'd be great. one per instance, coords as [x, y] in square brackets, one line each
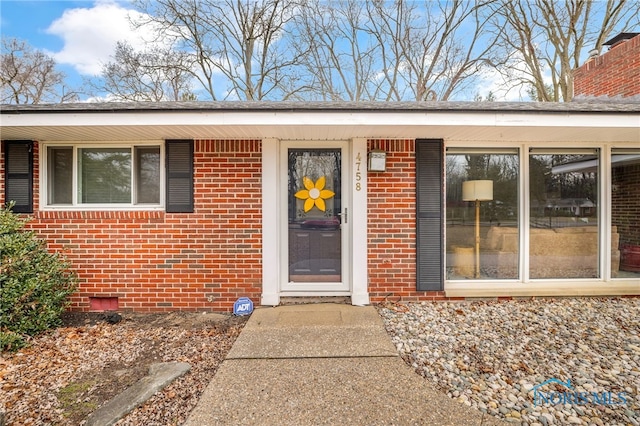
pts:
[10, 341]
[34, 284]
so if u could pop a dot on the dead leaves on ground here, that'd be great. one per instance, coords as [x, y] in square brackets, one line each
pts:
[31, 380]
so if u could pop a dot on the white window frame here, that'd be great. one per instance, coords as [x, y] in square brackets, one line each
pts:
[525, 286]
[76, 205]
[505, 149]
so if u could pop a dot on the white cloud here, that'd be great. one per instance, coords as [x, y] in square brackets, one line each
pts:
[504, 89]
[492, 82]
[90, 35]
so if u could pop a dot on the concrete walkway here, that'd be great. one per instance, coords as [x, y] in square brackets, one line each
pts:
[322, 364]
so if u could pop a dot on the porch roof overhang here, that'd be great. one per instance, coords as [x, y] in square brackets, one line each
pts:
[457, 121]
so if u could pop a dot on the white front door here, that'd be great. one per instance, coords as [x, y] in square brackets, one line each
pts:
[314, 218]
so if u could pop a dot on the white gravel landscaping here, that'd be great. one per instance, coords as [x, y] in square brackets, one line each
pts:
[497, 356]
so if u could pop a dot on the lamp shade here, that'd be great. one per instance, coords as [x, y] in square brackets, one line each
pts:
[481, 190]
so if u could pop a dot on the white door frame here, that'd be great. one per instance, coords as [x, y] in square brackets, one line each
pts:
[354, 177]
[342, 288]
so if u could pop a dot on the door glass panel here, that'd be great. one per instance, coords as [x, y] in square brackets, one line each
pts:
[314, 206]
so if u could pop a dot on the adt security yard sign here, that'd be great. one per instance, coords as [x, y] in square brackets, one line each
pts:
[243, 306]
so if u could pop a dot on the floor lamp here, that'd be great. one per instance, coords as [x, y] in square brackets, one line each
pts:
[477, 190]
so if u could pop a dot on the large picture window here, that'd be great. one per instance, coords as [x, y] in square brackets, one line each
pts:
[541, 216]
[482, 243]
[98, 175]
[563, 224]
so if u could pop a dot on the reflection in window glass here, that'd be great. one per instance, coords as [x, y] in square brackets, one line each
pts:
[60, 174]
[77, 175]
[563, 228]
[625, 205]
[148, 174]
[498, 251]
[316, 165]
[105, 175]
[315, 237]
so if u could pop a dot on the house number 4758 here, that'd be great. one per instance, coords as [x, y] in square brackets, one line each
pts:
[358, 172]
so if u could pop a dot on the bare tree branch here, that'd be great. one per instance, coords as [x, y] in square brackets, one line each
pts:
[547, 38]
[394, 50]
[158, 74]
[29, 76]
[337, 58]
[240, 48]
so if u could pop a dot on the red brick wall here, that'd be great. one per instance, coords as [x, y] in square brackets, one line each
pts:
[614, 73]
[157, 261]
[392, 226]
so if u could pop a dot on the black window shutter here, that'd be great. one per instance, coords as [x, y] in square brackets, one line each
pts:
[179, 164]
[429, 215]
[18, 177]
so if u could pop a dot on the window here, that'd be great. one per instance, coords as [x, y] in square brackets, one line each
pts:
[60, 163]
[554, 214]
[98, 175]
[563, 214]
[494, 218]
[625, 208]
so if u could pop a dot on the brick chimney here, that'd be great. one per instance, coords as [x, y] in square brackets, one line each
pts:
[615, 73]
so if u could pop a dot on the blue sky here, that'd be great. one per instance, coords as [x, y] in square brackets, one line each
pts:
[79, 34]
[29, 20]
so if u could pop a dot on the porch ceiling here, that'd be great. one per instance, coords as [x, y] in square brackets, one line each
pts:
[449, 121]
[312, 132]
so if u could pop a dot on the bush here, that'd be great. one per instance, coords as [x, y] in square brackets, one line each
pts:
[34, 284]
[10, 341]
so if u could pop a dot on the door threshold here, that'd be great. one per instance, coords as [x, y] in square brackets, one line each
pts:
[309, 300]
